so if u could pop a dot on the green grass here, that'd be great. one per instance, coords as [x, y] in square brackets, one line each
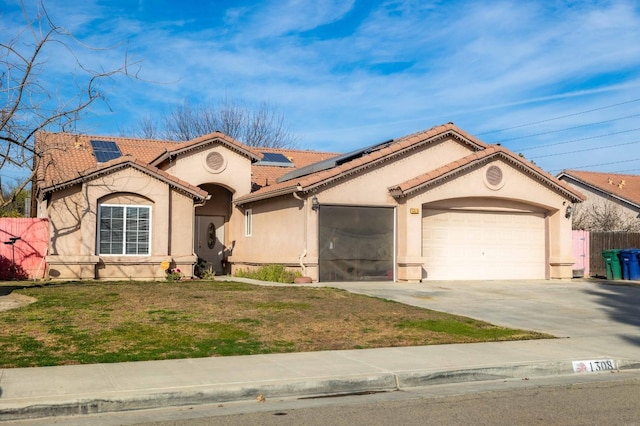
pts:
[88, 322]
[472, 329]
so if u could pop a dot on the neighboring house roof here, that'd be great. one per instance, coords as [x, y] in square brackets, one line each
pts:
[621, 186]
[490, 153]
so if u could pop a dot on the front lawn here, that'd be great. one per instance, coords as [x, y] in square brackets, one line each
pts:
[81, 323]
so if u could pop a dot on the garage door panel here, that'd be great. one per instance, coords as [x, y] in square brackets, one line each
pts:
[483, 245]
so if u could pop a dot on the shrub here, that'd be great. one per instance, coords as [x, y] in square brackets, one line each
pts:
[174, 274]
[274, 273]
[7, 271]
[208, 275]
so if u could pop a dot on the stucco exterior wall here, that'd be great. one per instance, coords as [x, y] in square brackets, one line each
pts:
[279, 232]
[286, 228]
[518, 193]
[73, 214]
[219, 204]
[181, 230]
[370, 187]
[66, 210]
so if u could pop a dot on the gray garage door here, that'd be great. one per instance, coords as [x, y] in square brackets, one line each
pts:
[356, 243]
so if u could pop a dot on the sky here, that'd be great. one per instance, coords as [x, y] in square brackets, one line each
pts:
[556, 81]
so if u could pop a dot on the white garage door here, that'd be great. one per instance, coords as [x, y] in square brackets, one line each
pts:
[480, 245]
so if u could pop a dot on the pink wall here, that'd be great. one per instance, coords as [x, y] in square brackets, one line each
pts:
[30, 249]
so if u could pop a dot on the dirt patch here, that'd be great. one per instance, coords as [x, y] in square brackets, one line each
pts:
[14, 300]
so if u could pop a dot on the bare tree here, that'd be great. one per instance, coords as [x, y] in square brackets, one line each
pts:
[604, 216]
[255, 125]
[32, 100]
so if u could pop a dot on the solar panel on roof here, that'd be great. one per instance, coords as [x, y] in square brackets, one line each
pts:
[274, 159]
[105, 150]
[332, 162]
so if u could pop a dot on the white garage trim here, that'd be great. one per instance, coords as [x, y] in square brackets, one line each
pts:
[481, 245]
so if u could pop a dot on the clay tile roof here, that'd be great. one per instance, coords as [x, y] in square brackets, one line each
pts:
[66, 156]
[365, 159]
[479, 157]
[623, 186]
[441, 130]
[265, 176]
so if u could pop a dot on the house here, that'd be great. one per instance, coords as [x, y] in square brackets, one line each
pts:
[614, 195]
[434, 205]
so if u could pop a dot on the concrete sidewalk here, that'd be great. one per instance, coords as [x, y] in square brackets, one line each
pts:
[65, 390]
[83, 389]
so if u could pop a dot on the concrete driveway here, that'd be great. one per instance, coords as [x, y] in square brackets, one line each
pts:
[603, 311]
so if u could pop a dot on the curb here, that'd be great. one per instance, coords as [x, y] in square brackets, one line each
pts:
[323, 387]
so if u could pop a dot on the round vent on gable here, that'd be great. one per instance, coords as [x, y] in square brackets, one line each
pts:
[215, 162]
[493, 177]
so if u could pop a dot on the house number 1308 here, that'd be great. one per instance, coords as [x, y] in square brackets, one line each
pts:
[590, 366]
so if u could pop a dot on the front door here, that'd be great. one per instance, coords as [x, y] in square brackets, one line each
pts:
[209, 244]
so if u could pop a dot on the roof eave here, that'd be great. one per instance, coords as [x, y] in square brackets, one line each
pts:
[252, 198]
[398, 192]
[167, 155]
[93, 174]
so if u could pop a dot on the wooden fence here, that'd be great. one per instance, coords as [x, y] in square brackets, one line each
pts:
[23, 247]
[608, 240]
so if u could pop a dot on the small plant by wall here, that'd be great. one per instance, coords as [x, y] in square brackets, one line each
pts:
[273, 273]
[174, 274]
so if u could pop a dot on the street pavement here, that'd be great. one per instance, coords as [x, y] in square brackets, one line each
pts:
[593, 320]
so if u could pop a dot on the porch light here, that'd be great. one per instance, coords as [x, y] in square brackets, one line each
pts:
[315, 204]
[568, 212]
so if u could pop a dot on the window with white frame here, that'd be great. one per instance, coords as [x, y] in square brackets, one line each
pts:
[124, 230]
[248, 225]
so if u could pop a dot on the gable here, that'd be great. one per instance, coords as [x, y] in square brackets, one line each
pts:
[495, 179]
[213, 163]
[136, 175]
[370, 184]
[478, 159]
[337, 170]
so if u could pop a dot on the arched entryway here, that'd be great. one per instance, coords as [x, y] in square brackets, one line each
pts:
[210, 235]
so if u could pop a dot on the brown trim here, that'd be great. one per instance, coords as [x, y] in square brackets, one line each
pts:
[198, 144]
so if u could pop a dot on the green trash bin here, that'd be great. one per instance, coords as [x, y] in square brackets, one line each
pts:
[612, 263]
